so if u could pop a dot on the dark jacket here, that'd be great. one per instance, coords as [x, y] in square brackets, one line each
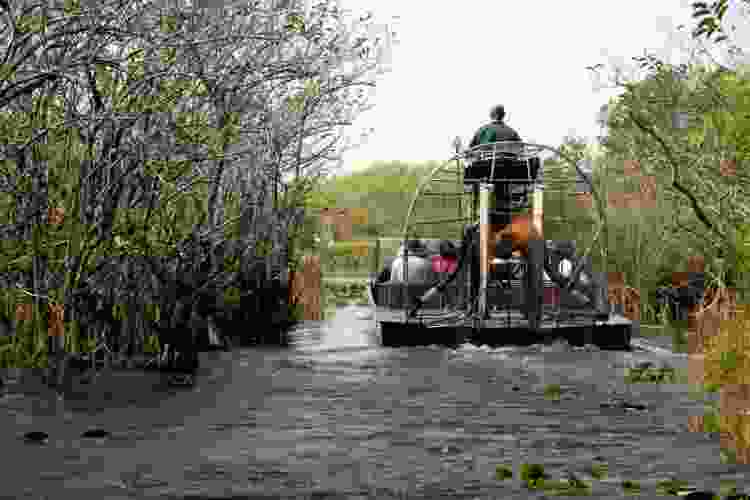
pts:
[494, 132]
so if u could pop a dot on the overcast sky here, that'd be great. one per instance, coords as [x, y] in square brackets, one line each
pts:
[451, 61]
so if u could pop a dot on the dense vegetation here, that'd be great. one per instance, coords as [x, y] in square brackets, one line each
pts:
[154, 156]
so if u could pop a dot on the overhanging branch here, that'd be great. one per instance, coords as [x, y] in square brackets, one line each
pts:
[699, 213]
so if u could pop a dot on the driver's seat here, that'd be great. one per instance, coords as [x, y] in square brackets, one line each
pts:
[514, 175]
[509, 165]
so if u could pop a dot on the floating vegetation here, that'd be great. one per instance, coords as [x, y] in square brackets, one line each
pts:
[552, 391]
[630, 487]
[533, 475]
[673, 487]
[572, 486]
[503, 472]
[649, 374]
[598, 470]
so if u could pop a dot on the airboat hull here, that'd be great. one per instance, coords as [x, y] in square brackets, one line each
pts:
[612, 334]
[441, 325]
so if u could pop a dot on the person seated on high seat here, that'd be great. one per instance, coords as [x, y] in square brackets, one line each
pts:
[385, 272]
[497, 131]
[519, 174]
[418, 267]
[433, 247]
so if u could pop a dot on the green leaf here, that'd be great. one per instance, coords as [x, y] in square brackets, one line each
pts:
[168, 55]
[296, 104]
[728, 361]
[312, 88]
[711, 422]
[168, 24]
[32, 24]
[7, 72]
[72, 7]
[135, 67]
[720, 8]
[711, 388]
[295, 23]
[696, 137]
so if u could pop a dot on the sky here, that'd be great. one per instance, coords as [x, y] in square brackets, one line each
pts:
[452, 61]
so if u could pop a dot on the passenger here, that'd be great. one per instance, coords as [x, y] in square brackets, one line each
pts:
[447, 260]
[496, 131]
[385, 272]
[433, 247]
[418, 266]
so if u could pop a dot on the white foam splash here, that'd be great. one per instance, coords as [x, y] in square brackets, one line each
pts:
[644, 345]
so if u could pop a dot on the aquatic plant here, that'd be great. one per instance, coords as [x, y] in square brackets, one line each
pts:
[630, 487]
[533, 475]
[573, 486]
[650, 374]
[672, 487]
[503, 472]
[598, 470]
[552, 391]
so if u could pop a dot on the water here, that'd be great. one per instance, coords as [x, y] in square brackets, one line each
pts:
[338, 416]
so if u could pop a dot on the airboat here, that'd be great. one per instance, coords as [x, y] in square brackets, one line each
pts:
[511, 286]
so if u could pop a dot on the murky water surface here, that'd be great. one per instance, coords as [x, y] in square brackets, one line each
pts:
[338, 416]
